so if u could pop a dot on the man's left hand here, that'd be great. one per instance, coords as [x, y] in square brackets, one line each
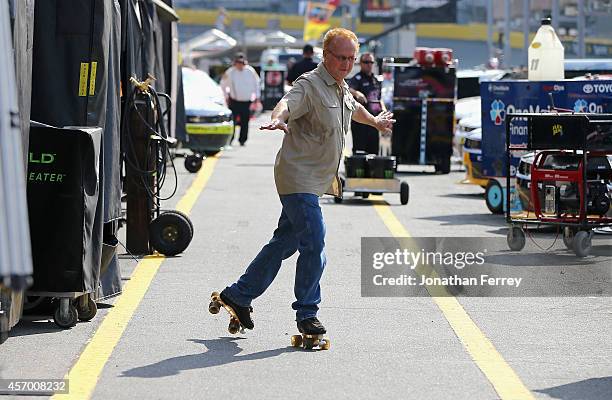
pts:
[385, 121]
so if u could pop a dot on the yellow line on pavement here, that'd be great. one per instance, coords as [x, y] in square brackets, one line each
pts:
[186, 203]
[84, 375]
[504, 380]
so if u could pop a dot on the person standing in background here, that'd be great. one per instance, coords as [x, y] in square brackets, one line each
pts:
[366, 89]
[240, 84]
[306, 64]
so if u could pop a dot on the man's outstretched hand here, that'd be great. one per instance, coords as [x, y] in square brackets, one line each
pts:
[275, 124]
[385, 121]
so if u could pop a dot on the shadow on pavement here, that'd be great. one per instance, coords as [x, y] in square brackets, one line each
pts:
[401, 174]
[356, 201]
[221, 351]
[468, 219]
[471, 196]
[589, 389]
[35, 325]
[256, 165]
[559, 256]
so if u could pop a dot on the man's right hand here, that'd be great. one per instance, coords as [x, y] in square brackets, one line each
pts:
[275, 124]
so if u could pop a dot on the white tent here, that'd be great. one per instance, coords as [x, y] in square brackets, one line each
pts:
[212, 43]
[256, 39]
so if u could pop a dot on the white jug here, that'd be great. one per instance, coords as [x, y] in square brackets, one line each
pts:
[545, 55]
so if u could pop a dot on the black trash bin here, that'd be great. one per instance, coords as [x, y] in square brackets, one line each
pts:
[65, 218]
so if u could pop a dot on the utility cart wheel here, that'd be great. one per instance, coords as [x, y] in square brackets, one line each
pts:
[88, 310]
[404, 192]
[337, 200]
[170, 234]
[582, 243]
[182, 215]
[193, 163]
[568, 237]
[515, 238]
[365, 195]
[66, 315]
[494, 197]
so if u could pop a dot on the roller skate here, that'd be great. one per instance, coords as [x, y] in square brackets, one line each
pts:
[312, 335]
[240, 317]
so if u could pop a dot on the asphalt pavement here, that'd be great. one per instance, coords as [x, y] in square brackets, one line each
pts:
[158, 341]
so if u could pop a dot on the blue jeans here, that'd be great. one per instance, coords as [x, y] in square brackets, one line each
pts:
[300, 228]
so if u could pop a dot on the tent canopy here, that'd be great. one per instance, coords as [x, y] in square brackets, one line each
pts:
[211, 43]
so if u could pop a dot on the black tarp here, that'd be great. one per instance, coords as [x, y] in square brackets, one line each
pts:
[150, 47]
[112, 133]
[168, 21]
[76, 82]
[75, 78]
[155, 27]
[71, 44]
[132, 54]
[172, 70]
[131, 44]
[137, 43]
[63, 191]
[110, 271]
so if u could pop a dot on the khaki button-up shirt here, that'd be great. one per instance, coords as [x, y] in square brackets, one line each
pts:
[320, 113]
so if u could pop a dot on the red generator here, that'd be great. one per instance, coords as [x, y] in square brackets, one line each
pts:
[558, 177]
[571, 176]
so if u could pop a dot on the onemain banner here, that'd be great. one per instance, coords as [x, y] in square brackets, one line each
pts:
[500, 98]
[482, 267]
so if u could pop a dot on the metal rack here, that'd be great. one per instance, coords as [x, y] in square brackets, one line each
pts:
[578, 138]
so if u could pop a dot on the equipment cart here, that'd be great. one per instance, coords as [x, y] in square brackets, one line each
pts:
[571, 175]
[365, 174]
[424, 108]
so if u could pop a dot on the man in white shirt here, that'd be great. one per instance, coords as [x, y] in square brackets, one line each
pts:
[240, 83]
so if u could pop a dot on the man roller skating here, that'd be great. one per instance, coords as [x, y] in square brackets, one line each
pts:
[315, 116]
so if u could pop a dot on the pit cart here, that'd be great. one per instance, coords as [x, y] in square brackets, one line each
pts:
[365, 174]
[424, 108]
[570, 176]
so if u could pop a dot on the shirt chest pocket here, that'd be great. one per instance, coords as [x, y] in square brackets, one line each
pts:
[329, 117]
[330, 112]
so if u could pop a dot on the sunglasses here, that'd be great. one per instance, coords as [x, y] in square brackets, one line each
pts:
[343, 58]
[367, 62]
